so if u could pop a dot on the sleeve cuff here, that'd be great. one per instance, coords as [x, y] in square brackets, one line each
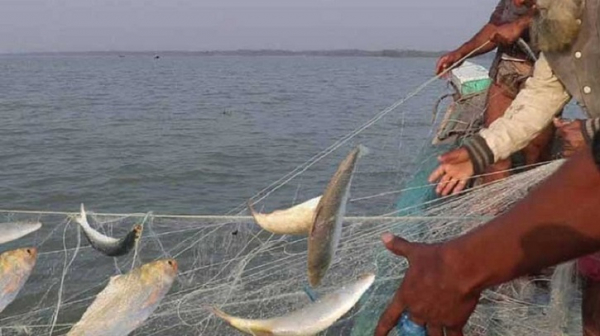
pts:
[590, 128]
[480, 153]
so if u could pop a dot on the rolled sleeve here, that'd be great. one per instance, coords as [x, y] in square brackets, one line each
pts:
[532, 110]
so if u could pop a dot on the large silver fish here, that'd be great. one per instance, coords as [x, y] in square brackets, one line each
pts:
[309, 320]
[127, 301]
[109, 246]
[15, 230]
[326, 230]
[296, 220]
[15, 268]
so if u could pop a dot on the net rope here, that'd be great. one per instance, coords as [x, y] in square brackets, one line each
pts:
[227, 261]
[249, 272]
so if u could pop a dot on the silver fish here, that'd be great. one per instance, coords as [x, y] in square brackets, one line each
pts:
[109, 246]
[309, 320]
[326, 230]
[296, 220]
[15, 268]
[127, 301]
[15, 230]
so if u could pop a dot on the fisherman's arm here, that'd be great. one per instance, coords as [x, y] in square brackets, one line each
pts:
[488, 37]
[484, 35]
[533, 109]
[556, 222]
[576, 134]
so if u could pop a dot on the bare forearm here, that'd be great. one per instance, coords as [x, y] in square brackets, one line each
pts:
[483, 36]
[515, 28]
[557, 222]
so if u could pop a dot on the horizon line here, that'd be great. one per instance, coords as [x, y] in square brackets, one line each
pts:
[350, 51]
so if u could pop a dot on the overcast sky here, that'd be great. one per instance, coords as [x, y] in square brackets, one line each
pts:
[150, 25]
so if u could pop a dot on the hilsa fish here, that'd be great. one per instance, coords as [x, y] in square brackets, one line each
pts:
[326, 230]
[15, 230]
[127, 301]
[15, 268]
[109, 246]
[296, 220]
[311, 319]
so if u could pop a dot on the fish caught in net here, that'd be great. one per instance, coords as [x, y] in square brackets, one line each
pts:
[233, 264]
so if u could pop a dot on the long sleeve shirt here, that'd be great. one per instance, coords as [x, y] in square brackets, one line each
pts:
[542, 97]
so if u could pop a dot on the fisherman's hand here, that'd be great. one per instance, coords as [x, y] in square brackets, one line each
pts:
[454, 172]
[447, 61]
[572, 134]
[433, 291]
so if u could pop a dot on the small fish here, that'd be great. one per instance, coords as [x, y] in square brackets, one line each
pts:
[15, 268]
[15, 230]
[326, 230]
[127, 301]
[296, 220]
[110, 246]
[310, 320]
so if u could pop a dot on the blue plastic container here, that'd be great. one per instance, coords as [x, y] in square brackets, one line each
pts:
[406, 327]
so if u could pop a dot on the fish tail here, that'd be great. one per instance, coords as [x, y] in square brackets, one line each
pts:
[363, 150]
[254, 327]
[82, 217]
[221, 314]
[251, 208]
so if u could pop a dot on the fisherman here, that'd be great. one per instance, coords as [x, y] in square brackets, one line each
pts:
[567, 34]
[556, 222]
[512, 65]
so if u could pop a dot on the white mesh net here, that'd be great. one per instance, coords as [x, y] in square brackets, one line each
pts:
[229, 262]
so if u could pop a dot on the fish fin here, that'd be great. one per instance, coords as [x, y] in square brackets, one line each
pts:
[155, 296]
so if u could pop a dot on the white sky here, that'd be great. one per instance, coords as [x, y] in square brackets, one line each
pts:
[100, 25]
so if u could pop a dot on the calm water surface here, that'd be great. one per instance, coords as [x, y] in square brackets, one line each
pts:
[200, 135]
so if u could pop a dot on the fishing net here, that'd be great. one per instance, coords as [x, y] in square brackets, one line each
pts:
[232, 264]
[228, 262]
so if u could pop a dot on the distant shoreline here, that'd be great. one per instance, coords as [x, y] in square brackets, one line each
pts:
[406, 53]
